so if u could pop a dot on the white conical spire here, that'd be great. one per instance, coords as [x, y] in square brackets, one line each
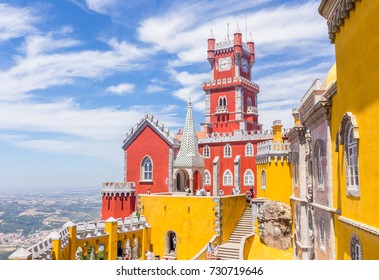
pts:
[238, 30]
[188, 155]
[211, 36]
[250, 39]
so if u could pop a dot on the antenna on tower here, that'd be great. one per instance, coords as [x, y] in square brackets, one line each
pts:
[227, 36]
[246, 26]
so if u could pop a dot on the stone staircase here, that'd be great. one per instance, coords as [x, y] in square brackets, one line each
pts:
[230, 250]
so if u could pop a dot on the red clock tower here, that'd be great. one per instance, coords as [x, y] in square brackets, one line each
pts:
[231, 96]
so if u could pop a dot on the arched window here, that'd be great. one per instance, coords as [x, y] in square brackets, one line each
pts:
[248, 178]
[249, 150]
[227, 151]
[263, 180]
[249, 102]
[227, 178]
[322, 234]
[207, 178]
[348, 136]
[147, 169]
[206, 152]
[224, 103]
[355, 248]
[319, 165]
[351, 158]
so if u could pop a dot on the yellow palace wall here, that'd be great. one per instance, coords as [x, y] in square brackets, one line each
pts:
[191, 218]
[357, 46]
[278, 181]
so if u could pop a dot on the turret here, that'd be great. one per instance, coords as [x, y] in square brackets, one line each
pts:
[237, 43]
[250, 43]
[296, 116]
[277, 131]
[211, 49]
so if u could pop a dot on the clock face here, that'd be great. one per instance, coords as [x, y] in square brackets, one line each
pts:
[244, 65]
[224, 63]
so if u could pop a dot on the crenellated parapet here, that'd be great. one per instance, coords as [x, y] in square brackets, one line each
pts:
[235, 81]
[268, 150]
[238, 135]
[118, 188]
[63, 244]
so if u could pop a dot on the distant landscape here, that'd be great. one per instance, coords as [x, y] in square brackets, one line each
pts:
[28, 217]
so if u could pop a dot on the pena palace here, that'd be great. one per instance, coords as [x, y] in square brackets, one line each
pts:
[314, 186]
[219, 158]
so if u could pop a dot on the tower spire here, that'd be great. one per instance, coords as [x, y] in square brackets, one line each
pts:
[189, 152]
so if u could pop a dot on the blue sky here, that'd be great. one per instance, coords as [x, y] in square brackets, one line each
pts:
[75, 75]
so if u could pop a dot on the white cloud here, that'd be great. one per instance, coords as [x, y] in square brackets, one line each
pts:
[121, 89]
[100, 6]
[16, 22]
[154, 89]
[40, 68]
[66, 127]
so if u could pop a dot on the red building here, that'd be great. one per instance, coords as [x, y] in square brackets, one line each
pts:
[158, 160]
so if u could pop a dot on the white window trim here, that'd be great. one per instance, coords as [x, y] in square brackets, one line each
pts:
[349, 126]
[142, 168]
[227, 183]
[207, 183]
[244, 178]
[247, 151]
[208, 153]
[322, 234]
[263, 186]
[320, 168]
[230, 151]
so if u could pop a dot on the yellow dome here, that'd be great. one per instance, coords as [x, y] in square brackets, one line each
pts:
[331, 77]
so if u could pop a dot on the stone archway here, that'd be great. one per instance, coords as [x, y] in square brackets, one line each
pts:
[181, 180]
[197, 180]
[171, 243]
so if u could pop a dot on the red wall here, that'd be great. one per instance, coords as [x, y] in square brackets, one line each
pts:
[148, 142]
[238, 148]
[117, 206]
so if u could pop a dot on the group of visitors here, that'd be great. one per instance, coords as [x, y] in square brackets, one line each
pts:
[212, 251]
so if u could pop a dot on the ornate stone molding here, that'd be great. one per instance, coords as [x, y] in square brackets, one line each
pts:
[362, 226]
[336, 13]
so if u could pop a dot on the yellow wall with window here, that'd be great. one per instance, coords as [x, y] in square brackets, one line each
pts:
[278, 180]
[357, 45]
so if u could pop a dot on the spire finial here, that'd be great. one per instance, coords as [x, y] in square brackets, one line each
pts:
[211, 36]
[237, 29]
[250, 39]
[227, 34]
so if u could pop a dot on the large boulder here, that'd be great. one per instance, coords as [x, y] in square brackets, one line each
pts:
[275, 224]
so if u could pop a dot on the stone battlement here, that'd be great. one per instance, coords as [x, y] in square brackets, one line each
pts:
[238, 135]
[58, 245]
[268, 149]
[118, 187]
[231, 81]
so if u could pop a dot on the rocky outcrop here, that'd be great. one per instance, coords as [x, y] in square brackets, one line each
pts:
[274, 224]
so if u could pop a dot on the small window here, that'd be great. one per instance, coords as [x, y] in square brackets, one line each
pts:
[227, 178]
[147, 169]
[249, 150]
[227, 151]
[206, 152]
[355, 248]
[351, 161]
[207, 178]
[319, 172]
[322, 234]
[248, 178]
[263, 180]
